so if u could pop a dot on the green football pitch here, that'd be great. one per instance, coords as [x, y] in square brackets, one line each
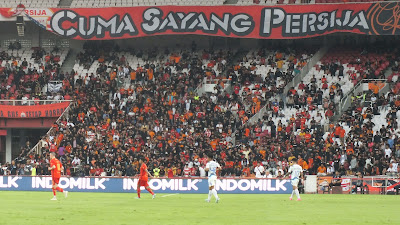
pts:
[112, 209]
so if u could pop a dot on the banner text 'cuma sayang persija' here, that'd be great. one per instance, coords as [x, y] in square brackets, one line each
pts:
[255, 21]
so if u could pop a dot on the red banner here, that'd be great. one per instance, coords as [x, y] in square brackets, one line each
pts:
[8, 13]
[36, 111]
[256, 21]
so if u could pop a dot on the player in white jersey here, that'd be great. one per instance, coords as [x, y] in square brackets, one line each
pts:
[211, 168]
[296, 173]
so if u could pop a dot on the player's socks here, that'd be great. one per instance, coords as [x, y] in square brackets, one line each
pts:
[214, 192]
[138, 192]
[297, 193]
[59, 189]
[291, 196]
[209, 195]
[149, 190]
[54, 192]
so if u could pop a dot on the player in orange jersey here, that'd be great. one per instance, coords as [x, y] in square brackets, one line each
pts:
[56, 168]
[143, 179]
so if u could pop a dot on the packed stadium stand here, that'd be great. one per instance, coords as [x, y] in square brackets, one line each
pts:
[29, 70]
[334, 106]
[260, 77]
[144, 103]
[153, 89]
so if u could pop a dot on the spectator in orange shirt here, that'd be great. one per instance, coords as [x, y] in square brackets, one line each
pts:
[321, 170]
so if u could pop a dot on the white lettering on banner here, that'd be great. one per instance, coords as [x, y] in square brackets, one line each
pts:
[256, 184]
[250, 184]
[156, 184]
[95, 26]
[82, 183]
[244, 188]
[88, 185]
[181, 187]
[302, 24]
[192, 184]
[128, 184]
[98, 183]
[269, 186]
[11, 182]
[233, 186]
[163, 184]
[226, 184]
[41, 182]
[167, 184]
[154, 21]
[74, 183]
[71, 183]
[280, 185]
[176, 183]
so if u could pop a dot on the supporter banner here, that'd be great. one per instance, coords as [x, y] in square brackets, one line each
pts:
[255, 21]
[35, 111]
[118, 185]
[54, 87]
[8, 13]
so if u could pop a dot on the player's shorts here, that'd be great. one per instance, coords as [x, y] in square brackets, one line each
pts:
[143, 183]
[295, 182]
[212, 180]
[56, 180]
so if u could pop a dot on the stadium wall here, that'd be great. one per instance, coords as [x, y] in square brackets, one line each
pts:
[159, 185]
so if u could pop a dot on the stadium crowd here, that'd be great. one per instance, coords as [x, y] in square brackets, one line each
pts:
[345, 147]
[24, 79]
[156, 114]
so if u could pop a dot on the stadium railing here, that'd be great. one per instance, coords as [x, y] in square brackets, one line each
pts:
[345, 102]
[30, 102]
[209, 84]
[38, 147]
[295, 81]
[304, 71]
[200, 90]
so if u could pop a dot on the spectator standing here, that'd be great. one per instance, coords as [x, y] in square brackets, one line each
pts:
[259, 171]
[202, 172]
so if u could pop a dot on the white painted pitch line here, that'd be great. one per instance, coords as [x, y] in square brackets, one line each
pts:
[169, 195]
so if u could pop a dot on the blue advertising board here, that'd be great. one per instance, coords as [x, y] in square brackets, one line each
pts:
[159, 185]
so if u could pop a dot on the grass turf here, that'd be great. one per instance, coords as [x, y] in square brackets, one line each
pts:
[112, 209]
